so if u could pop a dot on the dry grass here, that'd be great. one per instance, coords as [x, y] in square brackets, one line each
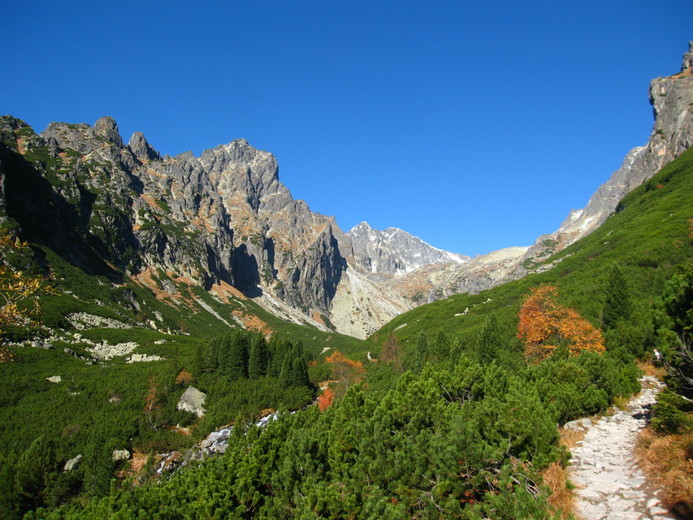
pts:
[569, 438]
[667, 460]
[557, 477]
[562, 498]
[621, 403]
[650, 370]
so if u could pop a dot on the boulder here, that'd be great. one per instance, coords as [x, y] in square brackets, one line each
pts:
[120, 455]
[54, 379]
[143, 358]
[72, 463]
[192, 401]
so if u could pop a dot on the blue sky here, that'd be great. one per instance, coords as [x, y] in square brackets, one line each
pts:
[473, 125]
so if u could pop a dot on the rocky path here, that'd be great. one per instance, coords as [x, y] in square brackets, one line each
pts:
[611, 485]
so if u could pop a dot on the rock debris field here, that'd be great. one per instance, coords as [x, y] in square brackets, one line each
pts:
[611, 486]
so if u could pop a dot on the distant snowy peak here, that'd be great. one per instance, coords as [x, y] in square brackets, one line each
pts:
[394, 251]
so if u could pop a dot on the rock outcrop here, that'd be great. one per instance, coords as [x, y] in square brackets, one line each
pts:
[72, 463]
[115, 209]
[120, 455]
[192, 401]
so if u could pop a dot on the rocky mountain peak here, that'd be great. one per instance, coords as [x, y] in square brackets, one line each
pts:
[107, 128]
[141, 148]
[361, 228]
[11, 124]
[394, 251]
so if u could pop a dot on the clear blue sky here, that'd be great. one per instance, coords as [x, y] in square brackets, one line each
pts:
[473, 125]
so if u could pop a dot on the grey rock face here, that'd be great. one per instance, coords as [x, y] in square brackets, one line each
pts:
[393, 251]
[141, 148]
[221, 217]
[107, 129]
[436, 281]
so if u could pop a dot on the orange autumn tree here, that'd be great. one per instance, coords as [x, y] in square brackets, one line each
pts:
[184, 378]
[325, 399]
[345, 370]
[546, 325]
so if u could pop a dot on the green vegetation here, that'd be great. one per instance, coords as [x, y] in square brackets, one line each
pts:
[674, 321]
[25, 131]
[111, 405]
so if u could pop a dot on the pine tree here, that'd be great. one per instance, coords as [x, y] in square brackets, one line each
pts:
[35, 469]
[259, 357]
[237, 361]
[617, 304]
[421, 353]
[285, 373]
[489, 341]
[98, 465]
[278, 347]
[8, 500]
[202, 362]
[215, 354]
[299, 372]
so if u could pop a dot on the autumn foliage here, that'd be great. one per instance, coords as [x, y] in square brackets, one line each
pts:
[325, 399]
[345, 370]
[152, 407]
[184, 378]
[546, 325]
[16, 288]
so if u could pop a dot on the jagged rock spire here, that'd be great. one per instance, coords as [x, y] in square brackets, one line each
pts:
[141, 148]
[107, 128]
[688, 57]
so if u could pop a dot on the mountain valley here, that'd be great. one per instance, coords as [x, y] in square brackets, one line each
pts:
[151, 300]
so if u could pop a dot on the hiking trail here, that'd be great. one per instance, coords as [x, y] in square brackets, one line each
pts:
[611, 486]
